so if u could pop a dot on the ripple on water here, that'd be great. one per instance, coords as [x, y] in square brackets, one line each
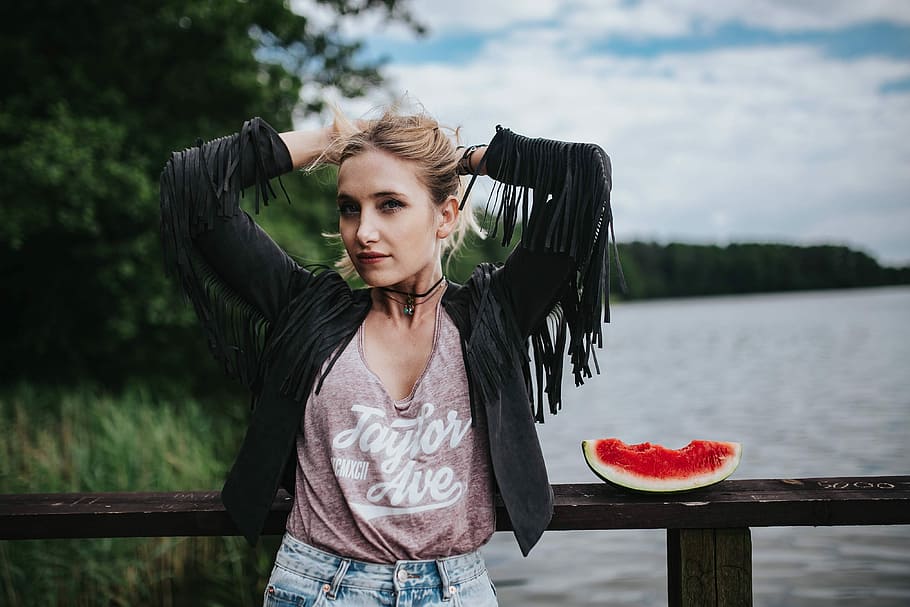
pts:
[812, 384]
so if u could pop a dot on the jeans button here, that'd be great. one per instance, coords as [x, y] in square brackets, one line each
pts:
[402, 575]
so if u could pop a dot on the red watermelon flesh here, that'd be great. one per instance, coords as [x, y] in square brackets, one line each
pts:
[647, 467]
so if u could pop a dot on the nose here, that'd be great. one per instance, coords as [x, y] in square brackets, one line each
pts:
[367, 232]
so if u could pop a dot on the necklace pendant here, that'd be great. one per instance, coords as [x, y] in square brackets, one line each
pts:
[409, 306]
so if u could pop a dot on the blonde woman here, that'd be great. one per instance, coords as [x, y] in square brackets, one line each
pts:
[393, 414]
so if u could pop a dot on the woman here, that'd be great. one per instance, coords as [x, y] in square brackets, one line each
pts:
[392, 413]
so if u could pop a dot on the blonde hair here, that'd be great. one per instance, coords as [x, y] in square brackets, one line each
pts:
[418, 138]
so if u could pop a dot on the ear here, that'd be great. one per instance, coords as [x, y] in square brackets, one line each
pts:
[448, 217]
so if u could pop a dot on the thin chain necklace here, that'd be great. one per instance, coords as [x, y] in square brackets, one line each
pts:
[411, 298]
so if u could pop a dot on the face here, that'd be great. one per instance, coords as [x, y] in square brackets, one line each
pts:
[388, 222]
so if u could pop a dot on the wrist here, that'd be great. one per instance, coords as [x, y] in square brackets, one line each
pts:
[471, 160]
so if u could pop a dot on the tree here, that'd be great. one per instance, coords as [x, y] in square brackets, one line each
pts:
[94, 97]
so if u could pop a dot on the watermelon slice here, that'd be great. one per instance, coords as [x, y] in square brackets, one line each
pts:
[647, 467]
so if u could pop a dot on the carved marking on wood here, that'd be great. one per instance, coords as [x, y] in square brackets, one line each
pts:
[855, 485]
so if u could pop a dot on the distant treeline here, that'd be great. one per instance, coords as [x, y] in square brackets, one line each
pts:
[679, 270]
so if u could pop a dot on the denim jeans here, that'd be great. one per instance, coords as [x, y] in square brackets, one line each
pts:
[304, 576]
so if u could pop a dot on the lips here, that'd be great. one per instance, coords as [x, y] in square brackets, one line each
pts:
[369, 258]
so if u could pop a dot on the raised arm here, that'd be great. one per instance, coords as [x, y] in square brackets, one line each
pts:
[236, 277]
[556, 281]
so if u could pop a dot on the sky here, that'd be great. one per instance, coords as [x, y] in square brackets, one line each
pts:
[743, 120]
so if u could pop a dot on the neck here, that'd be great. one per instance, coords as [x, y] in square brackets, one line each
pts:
[416, 294]
[423, 280]
[398, 302]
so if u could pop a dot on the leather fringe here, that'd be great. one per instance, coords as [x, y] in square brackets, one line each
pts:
[197, 186]
[320, 320]
[560, 192]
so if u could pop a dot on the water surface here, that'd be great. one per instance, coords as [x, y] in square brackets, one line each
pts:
[812, 383]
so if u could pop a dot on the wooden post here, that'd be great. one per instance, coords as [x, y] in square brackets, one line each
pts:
[709, 567]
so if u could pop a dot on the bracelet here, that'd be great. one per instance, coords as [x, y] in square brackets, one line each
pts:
[464, 163]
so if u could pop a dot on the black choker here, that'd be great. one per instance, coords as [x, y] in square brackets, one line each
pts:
[409, 303]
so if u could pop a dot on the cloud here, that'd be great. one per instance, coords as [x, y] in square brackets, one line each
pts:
[780, 142]
[642, 18]
[442, 18]
[686, 17]
[584, 22]
[772, 142]
[787, 15]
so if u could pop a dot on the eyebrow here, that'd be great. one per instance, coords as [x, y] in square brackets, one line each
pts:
[342, 197]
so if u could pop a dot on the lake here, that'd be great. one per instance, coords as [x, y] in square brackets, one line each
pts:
[812, 384]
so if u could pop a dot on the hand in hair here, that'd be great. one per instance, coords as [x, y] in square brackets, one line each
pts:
[308, 146]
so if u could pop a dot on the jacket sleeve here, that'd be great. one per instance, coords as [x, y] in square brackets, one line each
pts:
[236, 277]
[556, 282]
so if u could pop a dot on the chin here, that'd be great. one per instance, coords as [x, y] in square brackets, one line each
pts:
[375, 278]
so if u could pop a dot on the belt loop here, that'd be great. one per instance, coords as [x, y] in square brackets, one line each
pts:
[339, 575]
[444, 579]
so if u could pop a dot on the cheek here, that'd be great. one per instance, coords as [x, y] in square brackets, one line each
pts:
[421, 229]
[427, 222]
[348, 231]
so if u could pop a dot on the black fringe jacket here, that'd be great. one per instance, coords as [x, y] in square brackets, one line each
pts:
[274, 325]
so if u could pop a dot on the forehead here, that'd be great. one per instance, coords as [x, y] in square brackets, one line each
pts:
[378, 171]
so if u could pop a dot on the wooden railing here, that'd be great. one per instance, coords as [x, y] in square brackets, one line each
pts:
[709, 549]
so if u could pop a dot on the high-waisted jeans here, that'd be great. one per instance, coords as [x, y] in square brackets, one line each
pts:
[304, 576]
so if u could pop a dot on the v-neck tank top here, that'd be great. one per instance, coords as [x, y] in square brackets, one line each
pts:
[383, 480]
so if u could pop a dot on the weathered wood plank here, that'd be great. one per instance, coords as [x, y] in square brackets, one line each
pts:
[739, 503]
[690, 568]
[709, 568]
[733, 567]
[731, 504]
[95, 515]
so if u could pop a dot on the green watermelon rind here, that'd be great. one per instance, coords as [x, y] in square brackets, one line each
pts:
[676, 485]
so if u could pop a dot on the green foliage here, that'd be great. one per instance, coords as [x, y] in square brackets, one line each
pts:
[84, 439]
[678, 270]
[95, 95]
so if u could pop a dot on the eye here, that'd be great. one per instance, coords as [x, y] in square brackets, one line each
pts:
[391, 204]
[346, 209]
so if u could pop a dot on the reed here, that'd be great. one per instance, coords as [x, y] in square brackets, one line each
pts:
[87, 439]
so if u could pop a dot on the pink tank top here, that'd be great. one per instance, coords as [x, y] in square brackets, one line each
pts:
[382, 480]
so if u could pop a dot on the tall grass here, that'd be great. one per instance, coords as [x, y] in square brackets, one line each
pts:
[88, 440]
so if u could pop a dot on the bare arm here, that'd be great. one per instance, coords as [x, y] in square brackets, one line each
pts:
[307, 146]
